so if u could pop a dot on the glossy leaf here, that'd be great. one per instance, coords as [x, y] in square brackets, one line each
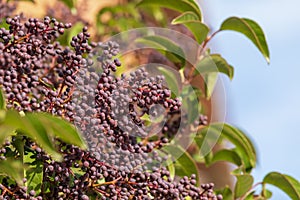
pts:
[206, 140]
[214, 63]
[34, 172]
[5, 132]
[183, 159]
[191, 21]
[226, 193]
[171, 79]
[284, 182]
[167, 47]
[12, 168]
[267, 194]
[2, 100]
[37, 130]
[171, 168]
[227, 155]
[243, 145]
[251, 30]
[184, 17]
[243, 185]
[181, 6]
[190, 103]
[210, 80]
[61, 129]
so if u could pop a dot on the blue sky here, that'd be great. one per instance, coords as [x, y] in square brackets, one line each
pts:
[264, 99]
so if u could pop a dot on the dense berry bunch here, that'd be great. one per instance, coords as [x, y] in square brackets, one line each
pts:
[77, 83]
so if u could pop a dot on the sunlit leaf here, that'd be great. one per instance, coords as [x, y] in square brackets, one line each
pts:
[181, 6]
[33, 172]
[243, 185]
[192, 22]
[210, 80]
[61, 129]
[165, 46]
[171, 79]
[251, 30]
[226, 193]
[30, 126]
[12, 168]
[243, 145]
[2, 100]
[214, 63]
[284, 182]
[183, 159]
[227, 155]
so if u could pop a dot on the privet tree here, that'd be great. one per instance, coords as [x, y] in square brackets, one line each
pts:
[71, 127]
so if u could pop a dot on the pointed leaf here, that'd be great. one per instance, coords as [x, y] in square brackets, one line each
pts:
[191, 21]
[226, 193]
[183, 159]
[12, 168]
[243, 145]
[214, 63]
[284, 182]
[169, 48]
[5, 131]
[181, 6]
[34, 172]
[184, 17]
[61, 129]
[227, 155]
[171, 79]
[2, 100]
[243, 185]
[31, 127]
[251, 30]
[210, 80]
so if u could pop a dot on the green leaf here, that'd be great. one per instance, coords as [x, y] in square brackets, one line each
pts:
[183, 159]
[66, 38]
[181, 6]
[251, 30]
[190, 102]
[210, 80]
[206, 140]
[227, 155]
[18, 143]
[12, 168]
[30, 126]
[5, 130]
[214, 63]
[171, 168]
[267, 194]
[191, 21]
[184, 17]
[226, 193]
[165, 46]
[243, 145]
[2, 100]
[171, 79]
[253, 196]
[34, 172]
[61, 129]
[284, 182]
[243, 185]
[40, 133]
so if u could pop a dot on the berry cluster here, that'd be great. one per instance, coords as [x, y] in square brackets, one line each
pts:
[77, 82]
